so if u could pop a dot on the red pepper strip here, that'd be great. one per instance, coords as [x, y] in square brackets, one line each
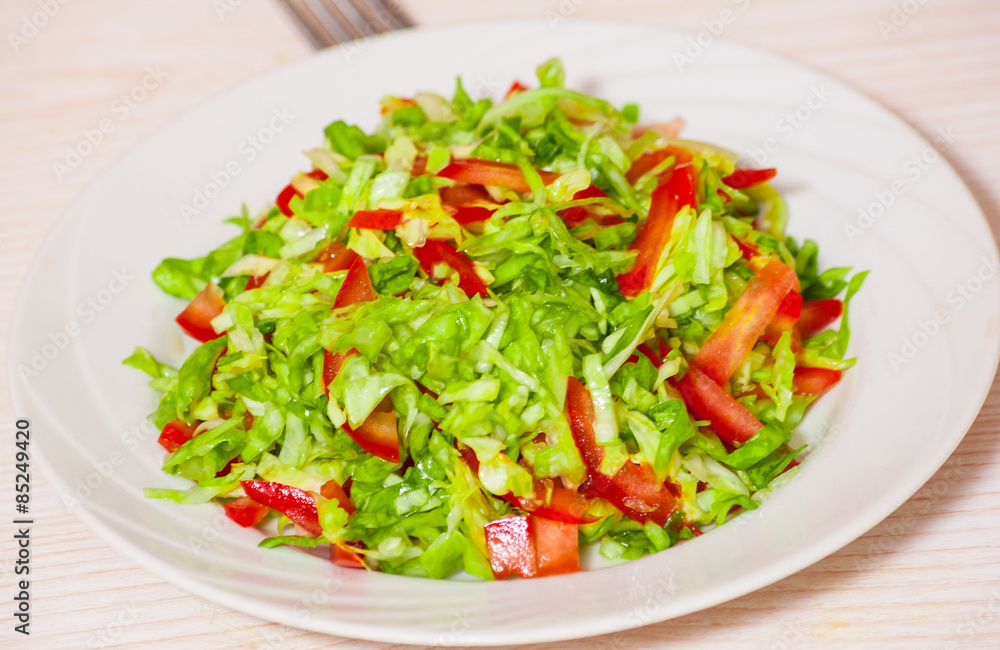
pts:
[246, 512]
[331, 366]
[654, 234]
[557, 547]
[286, 195]
[818, 314]
[745, 321]
[657, 358]
[566, 506]
[175, 434]
[256, 281]
[284, 198]
[744, 178]
[459, 195]
[633, 489]
[437, 251]
[813, 381]
[708, 401]
[344, 555]
[377, 435]
[335, 257]
[579, 213]
[785, 318]
[469, 457]
[647, 161]
[196, 319]
[332, 490]
[357, 286]
[749, 250]
[376, 219]
[516, 87]
[462, 197]
[472, 214]
[290, 501]
[487, 172]
[228, 468]
[510, 543]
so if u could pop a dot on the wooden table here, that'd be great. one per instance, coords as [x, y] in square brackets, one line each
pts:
[928, 576]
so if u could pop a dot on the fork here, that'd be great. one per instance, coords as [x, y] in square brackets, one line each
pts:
[329, 22]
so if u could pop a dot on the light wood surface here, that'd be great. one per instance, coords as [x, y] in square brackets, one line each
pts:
[927, 577]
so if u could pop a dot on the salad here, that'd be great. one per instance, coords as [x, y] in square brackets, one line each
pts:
[488, 334]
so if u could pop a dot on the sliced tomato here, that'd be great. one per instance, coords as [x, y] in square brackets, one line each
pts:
[746, 321]
[335, 257]
[347, 556]
[813, 381]
[817, 315]
[286, 195]
[357, 286]
[510, 542]
[290, 501]
[649, 160]
[377, 435]
[708, 401]
[654, 234]
[196, 319]
[785, 318]
[246, 512]
[376, 219]
[744, 178]
[175, 434]
[332, 490]
[557, 547]
[437, 251]
[487, 172]
[633, 489]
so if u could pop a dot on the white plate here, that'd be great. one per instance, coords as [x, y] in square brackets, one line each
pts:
[881, 433]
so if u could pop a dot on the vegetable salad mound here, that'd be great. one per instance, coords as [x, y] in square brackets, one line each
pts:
[487, 334]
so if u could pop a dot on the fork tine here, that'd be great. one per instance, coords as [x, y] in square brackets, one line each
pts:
[329, 22]
[314, 27]
[346, 18]
[377, 20]
[396, 17]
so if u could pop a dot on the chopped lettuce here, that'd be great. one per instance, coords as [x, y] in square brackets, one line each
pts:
[459, 359]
